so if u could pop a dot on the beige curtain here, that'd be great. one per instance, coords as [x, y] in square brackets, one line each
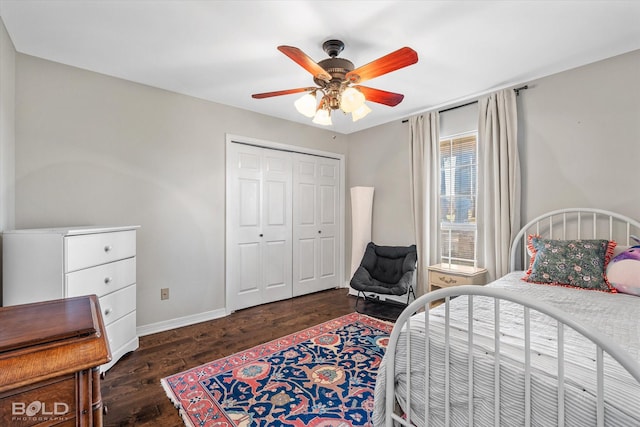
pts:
[498, 180]
[425, 181]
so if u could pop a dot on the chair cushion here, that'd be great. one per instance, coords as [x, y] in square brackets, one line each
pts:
[385, 269]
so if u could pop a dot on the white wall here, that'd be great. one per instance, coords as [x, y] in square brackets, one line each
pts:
[93, 149]
[380, 157]
[7, 133]
[579, 138]
[7, 128]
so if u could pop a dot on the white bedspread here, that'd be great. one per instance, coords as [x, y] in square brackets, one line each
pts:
[616, 315]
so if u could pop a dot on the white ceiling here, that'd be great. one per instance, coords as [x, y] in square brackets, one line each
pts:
[224, 51]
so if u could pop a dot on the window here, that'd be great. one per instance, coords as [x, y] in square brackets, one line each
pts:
[458, 194]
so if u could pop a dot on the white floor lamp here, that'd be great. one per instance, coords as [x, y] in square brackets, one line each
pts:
[361, 216]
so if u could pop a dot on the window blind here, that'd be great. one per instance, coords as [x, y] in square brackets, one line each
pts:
[458, 194]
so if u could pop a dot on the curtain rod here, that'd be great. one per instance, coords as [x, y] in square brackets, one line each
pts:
[516, 90]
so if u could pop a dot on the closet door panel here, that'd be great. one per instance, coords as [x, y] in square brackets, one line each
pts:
[276, 227]
[315, 210]
[306, 271]
[328, 205]
[247, 275]
[249, 203]
[306, 214]
[276, 271]
[258, 226]
[327, 257]
[328, 183]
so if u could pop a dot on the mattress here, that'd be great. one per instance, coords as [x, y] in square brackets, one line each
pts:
[615, 315]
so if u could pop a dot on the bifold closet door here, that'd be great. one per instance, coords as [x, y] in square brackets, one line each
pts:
[316, 225]
[259, 226]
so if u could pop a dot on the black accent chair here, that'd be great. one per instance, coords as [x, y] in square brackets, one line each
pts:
[388, 270]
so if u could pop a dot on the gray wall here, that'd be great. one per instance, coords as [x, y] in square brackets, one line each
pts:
[380, 157]
[7, 133]
[7, 128]
[579, 138]
[93, 149]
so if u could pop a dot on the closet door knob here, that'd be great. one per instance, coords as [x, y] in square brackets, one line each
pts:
[319, 231]
[260, 234]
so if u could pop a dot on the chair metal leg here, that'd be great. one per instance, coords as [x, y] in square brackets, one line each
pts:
[409, 293]
[358, 299]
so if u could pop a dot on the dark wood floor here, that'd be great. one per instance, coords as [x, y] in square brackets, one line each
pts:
[131, 389]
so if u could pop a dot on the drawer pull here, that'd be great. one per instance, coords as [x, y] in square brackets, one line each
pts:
[107, 280]
[107, 248]
[107, 311]
[447, 280]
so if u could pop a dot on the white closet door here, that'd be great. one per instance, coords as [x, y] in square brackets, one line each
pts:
[259, 226]
[316, 223]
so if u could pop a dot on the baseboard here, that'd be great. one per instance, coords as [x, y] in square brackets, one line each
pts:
[179, 322]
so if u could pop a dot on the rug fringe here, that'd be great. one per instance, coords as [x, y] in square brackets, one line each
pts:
[172, 397]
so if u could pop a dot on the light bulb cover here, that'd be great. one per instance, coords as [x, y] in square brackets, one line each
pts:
[322, 117]
[306, 104]
[360, 112]
[351, 99]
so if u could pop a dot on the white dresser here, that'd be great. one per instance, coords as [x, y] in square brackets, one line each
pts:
[46, 264]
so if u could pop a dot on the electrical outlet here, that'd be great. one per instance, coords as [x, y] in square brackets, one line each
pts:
[164, 293]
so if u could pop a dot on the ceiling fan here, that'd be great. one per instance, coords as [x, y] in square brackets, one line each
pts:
[338, 81]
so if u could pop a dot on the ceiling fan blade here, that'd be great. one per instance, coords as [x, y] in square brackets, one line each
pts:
[381, 96]
[282, 92]
[401, 58]
[305, 62]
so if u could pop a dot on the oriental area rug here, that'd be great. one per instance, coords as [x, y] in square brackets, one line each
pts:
[319, 377]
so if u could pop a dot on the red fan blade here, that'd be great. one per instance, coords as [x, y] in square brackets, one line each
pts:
[282, 92]
[381, 96]
[394, 61]
[305, 62]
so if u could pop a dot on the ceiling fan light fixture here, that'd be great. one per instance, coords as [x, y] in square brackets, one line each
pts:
[351, 99]
[334, 78]
[322, 117]
[360, 112]
[306, 104]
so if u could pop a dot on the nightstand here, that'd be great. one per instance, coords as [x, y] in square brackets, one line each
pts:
[445, 276]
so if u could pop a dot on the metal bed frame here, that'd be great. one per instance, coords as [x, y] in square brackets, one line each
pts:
[574, 223]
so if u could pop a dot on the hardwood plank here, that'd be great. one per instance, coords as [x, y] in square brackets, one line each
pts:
[131, 389]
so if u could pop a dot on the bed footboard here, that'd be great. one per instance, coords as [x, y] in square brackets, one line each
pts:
[517, 365]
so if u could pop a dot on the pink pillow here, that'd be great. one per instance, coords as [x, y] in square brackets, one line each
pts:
[623, 271]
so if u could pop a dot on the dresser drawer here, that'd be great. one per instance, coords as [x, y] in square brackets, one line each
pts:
[88, 250]
[102, 279]
[117, 304]
[121, 331]
[445, 280]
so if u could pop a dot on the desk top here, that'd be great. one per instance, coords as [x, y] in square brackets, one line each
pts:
[29, 325]
[48, 339]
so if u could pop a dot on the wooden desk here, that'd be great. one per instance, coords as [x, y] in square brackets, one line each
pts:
[50, 354]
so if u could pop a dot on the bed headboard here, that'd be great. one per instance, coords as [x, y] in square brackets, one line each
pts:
[573, 223]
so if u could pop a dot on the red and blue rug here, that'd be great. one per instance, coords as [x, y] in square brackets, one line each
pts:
[319, 377]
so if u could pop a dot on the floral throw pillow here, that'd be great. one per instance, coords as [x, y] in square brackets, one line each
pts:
[576, 263]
